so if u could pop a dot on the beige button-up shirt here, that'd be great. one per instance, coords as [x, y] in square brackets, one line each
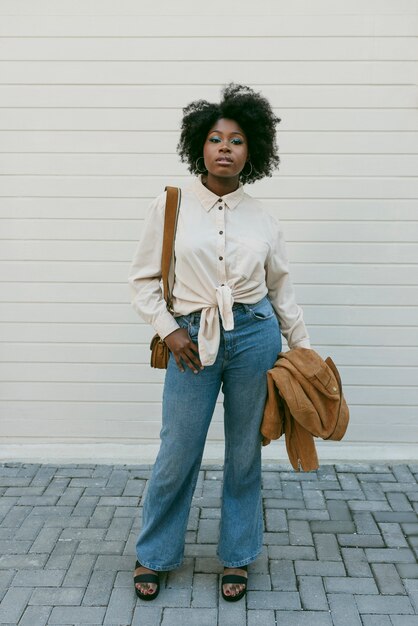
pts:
[228, 249]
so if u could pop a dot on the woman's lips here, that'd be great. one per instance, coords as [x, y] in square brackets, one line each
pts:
[223, 162]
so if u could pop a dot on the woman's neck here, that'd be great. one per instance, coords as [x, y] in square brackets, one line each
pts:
[220, 186]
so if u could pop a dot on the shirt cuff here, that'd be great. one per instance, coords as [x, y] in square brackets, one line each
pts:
[303, 343]
[165, 325]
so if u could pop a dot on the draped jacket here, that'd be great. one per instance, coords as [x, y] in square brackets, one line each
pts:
[304, 400]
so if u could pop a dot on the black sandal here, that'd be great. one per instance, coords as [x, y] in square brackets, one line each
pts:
[146, 578]
[238, 580]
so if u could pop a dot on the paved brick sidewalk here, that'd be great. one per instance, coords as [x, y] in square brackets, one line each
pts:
[341, 546]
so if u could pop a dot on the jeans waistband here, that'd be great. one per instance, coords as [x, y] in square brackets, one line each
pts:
[195, 315]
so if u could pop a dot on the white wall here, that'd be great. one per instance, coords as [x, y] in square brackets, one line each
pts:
[91, 95]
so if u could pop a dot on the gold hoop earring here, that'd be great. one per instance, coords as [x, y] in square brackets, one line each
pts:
[247, 175]
[197, 166]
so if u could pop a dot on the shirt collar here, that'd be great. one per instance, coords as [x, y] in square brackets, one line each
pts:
[208, 199]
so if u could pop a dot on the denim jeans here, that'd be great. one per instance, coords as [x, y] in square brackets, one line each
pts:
[245, 354]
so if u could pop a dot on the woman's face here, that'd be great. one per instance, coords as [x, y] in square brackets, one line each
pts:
[225, 150]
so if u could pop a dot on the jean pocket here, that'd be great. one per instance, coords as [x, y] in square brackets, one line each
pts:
[183, 321]
[262, 310]
[193, 330]
[189, 323]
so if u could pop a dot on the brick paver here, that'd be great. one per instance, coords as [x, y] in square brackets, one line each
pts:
[341, 548]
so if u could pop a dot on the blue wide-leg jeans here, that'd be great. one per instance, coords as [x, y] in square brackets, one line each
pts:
[245, 354]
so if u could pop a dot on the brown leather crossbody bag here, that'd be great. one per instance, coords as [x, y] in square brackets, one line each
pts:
[159, 349]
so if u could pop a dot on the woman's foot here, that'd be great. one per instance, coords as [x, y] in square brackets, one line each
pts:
[145, 588]
[233, 589]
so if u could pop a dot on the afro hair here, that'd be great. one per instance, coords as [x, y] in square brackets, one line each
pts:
[250, 110]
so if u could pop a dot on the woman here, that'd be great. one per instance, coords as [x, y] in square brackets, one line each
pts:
[232, 296]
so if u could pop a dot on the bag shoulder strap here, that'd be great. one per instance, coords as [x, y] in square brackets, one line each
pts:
[170, 223]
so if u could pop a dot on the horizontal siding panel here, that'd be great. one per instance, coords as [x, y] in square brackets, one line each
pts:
[112, 429]
[67, 250]
[166, 96]
[215, 72]
[130, 230]
[358, 294]
[379, 434]
[372, 356]
[121, 251]
[57, 292]
[161, 142]
[82, 392]
[125, 373]
[141, 333]
[55, 21]
[346, 252]
[382, 394]
[140, 353]
[336, 209]
[111, 293]
[67, 412]
[315, 314]
[349, 231]
[47, 445]
[351, 274]
[61, 413]
[300, 119]
[379, 316]
[125, 186]
[148, 431]
[103, 430]
[254, 48]
[130, 165]
[94, 372]
[117, 272]
[145, 392]
[379, 375]
[64, 272]
[73, 312]
[79, 333]
[393, 335]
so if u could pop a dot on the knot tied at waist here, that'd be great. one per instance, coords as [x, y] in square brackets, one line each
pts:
[209, 335]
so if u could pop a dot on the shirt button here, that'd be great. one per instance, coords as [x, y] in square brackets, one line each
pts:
[220, 208]
[221, 258]
[222, 284]
[220, 200]
[221, 232]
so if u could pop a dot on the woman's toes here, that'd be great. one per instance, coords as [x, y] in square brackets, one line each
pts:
[146, 589]
[234, 589]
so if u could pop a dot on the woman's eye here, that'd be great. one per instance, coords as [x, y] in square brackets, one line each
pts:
[235, 140]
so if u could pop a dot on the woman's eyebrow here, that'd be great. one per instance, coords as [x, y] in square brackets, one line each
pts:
[234, 132]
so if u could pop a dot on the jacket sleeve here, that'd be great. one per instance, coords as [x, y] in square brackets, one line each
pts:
[272, 424]
[145, 273]
[282, 294]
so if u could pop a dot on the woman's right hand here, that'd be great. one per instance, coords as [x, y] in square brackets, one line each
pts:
[182, 347]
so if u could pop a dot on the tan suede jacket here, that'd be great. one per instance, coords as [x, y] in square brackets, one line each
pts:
[304, 400]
